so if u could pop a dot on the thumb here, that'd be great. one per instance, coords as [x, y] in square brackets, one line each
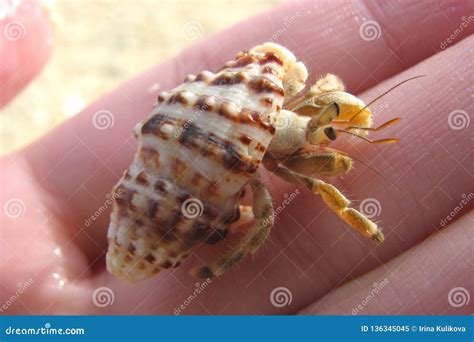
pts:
[25, 44]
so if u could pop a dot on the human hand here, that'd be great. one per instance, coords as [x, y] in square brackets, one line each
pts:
[63, 178]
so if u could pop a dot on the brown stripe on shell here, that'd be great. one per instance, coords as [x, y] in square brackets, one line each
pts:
[185, 97]
[127, 175]
[245, 58]
[178, 167]
[270, 57]
[258, 84]
[150, 258]
[196, 180]
[142, 178]
[166, 264]
[197, 233]
[205, 76]
[245, 139]
[222, 79]
[208, 144]
[269, 70]
[163, 96]
[150, 157]
[267, 102]
[189, 78]
[250, 116]
[124, 197]
[152, 209]
[166, 229]
[264, 85]
[206, 103]
[225, 108]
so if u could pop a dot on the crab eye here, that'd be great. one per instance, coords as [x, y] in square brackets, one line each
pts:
[330, 133]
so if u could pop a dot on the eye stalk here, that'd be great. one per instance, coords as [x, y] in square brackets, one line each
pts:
[321, 135]
[330, 133]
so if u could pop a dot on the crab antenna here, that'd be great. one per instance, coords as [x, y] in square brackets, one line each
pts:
[383, 94]
[380, 141]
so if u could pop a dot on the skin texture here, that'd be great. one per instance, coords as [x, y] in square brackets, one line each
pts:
[63, 178]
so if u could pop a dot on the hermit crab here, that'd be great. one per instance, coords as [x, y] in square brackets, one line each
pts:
[206, 141]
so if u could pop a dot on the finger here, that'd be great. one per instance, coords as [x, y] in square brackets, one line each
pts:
[25, 45]
[80, 163]
[310, 251]
[432, 278]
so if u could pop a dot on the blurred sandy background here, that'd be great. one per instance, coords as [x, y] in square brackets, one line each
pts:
[99, 44]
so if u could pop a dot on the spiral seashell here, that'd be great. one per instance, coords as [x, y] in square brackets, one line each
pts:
[201, 144]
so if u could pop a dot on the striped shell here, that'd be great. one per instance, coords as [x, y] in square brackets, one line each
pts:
[196, 152]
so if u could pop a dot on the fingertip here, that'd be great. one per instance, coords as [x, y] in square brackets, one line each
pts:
[26, 40]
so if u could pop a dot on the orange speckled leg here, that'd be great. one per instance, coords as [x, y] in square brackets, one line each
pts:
[333, 198]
